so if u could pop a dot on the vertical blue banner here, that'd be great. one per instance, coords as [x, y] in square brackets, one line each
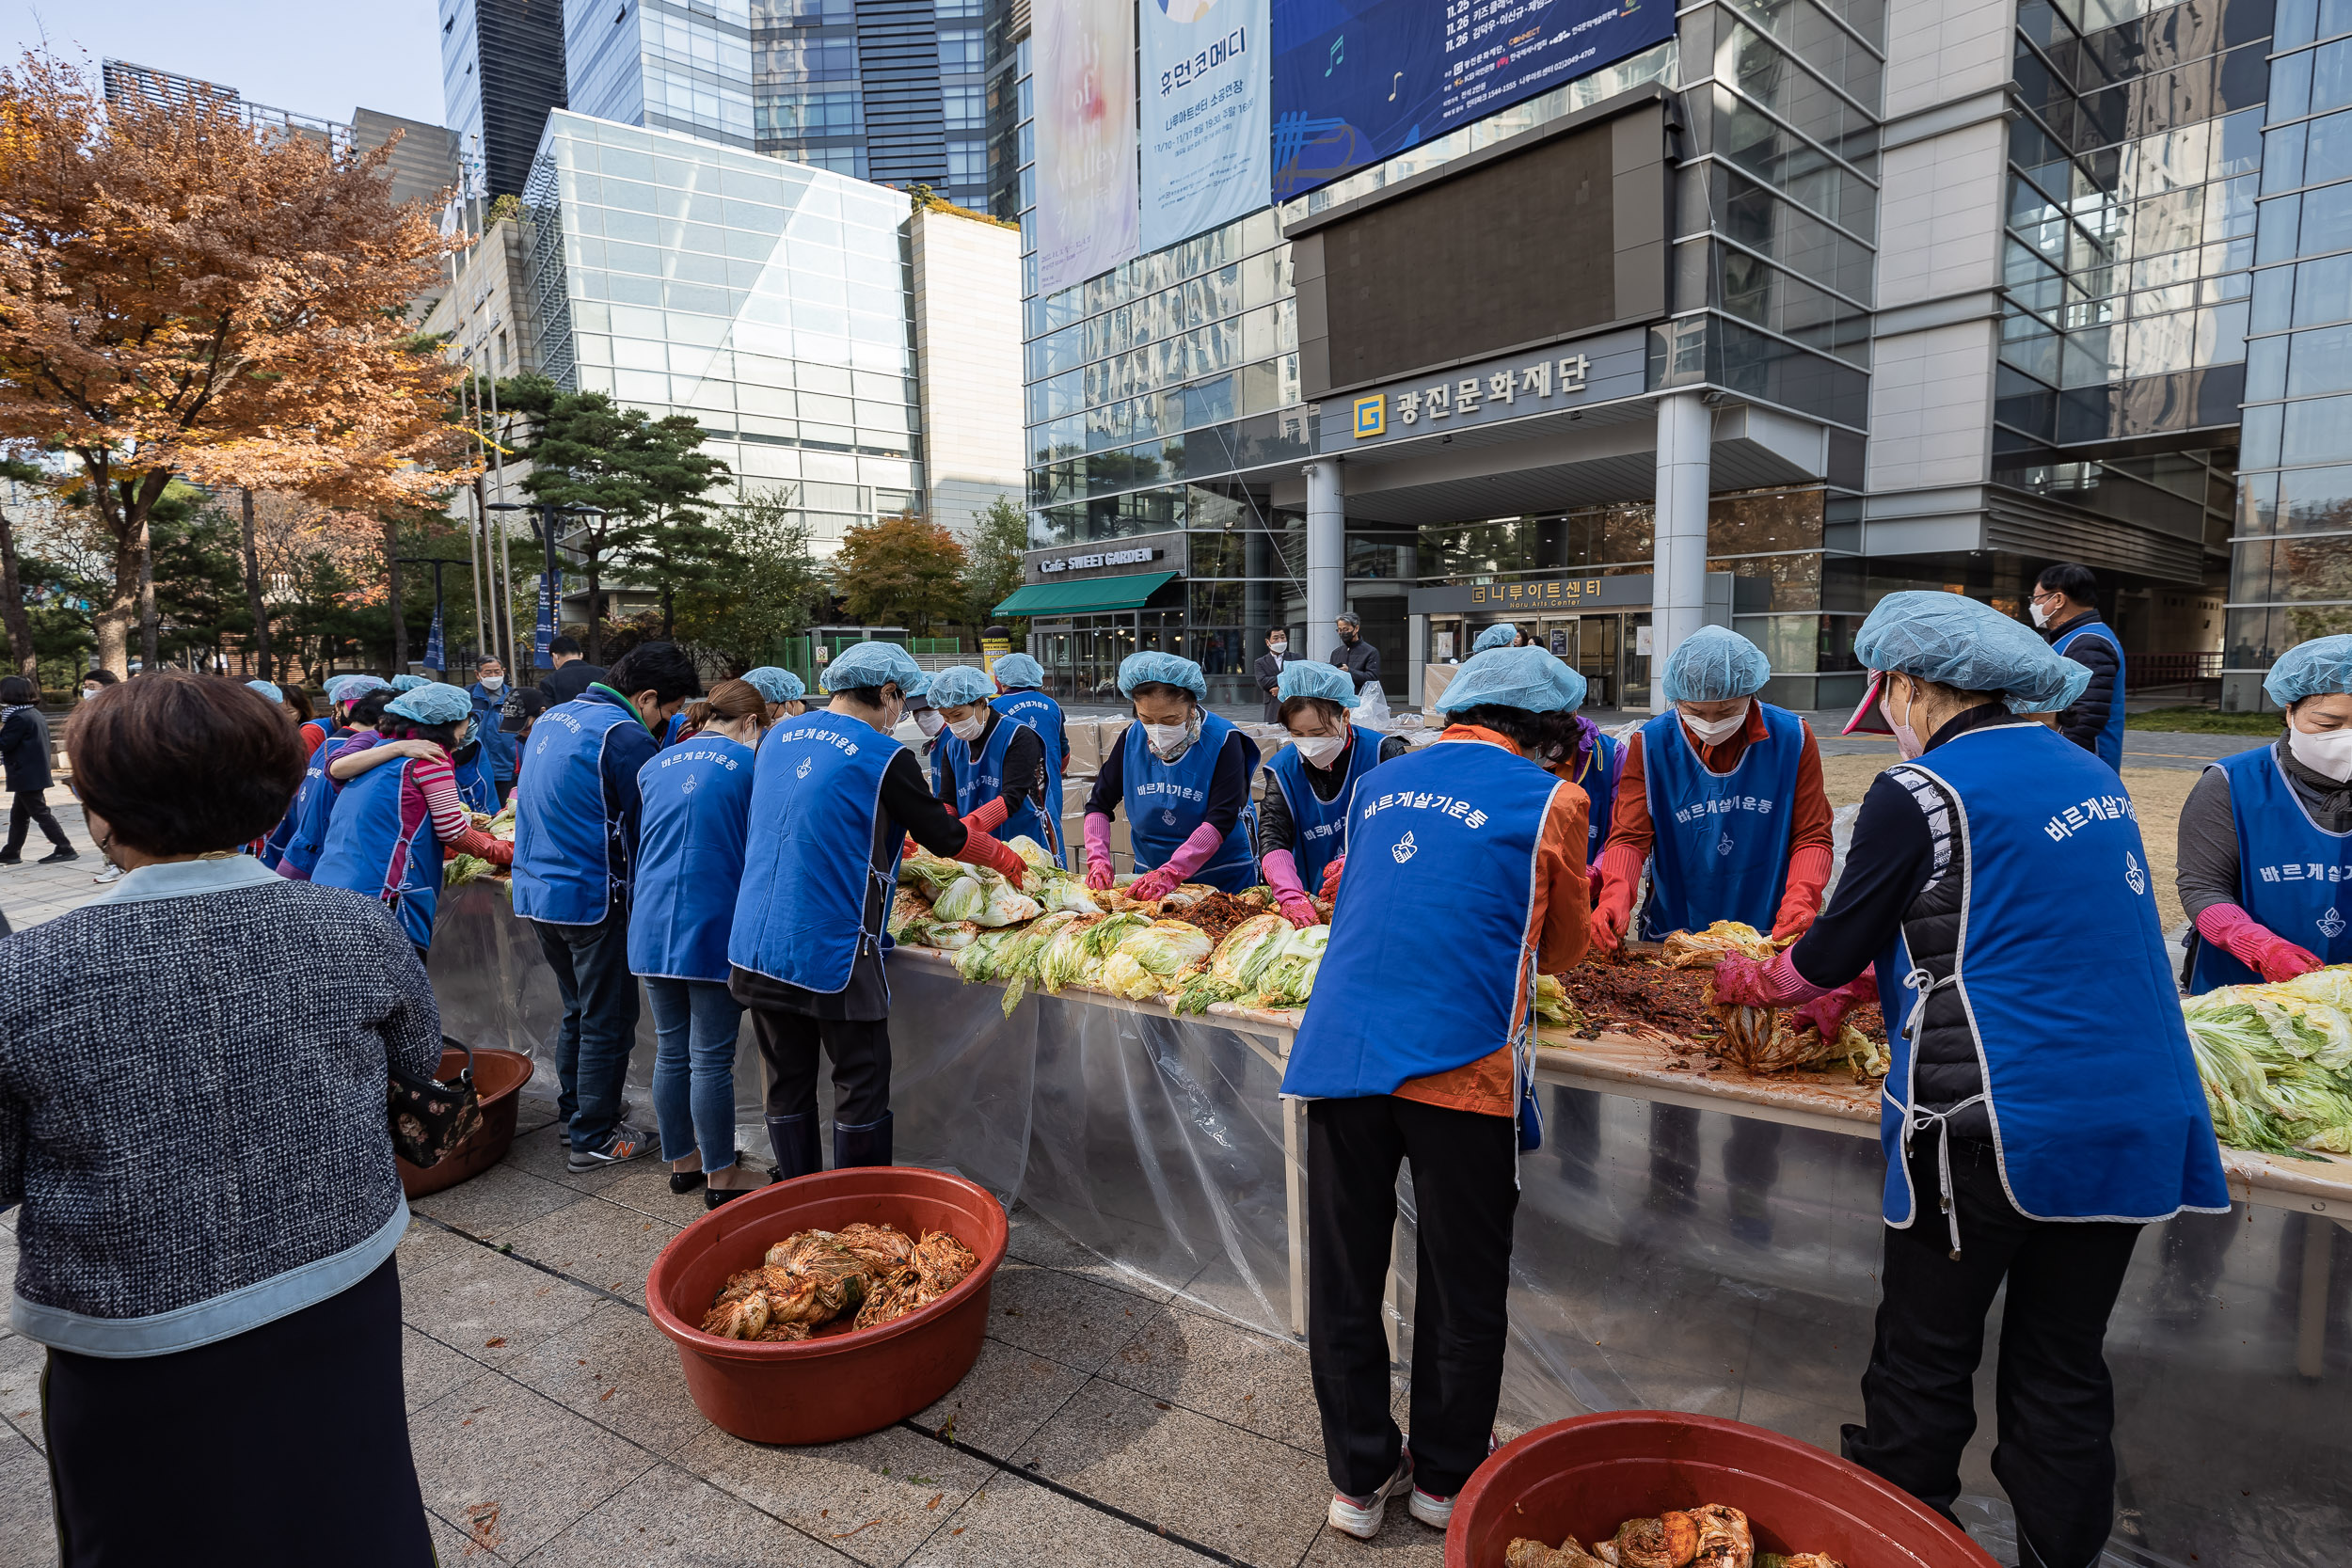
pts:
[1207, 80]
[1358, 81]
[433, 654]
[545, 635]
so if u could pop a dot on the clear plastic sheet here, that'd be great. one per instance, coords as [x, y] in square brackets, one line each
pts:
[1664, 1257]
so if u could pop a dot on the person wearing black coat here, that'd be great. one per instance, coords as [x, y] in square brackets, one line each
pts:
[572, 674]
[1269, 670]
[24, 753]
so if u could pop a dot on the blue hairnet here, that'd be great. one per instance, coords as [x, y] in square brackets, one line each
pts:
[1960, 643]
[1500, 636]
[408, 683]
[2312, 668]
[875, 664]
[774, 685]
[432, 703]
[959, 684]
[1306, 678]
[350, 689]
[1529, 678]
[267, 688]
[1712, 665]
[1014, 670]
[1163, 668]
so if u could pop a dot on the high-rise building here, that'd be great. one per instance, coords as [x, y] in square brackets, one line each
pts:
[1939, 298]
[502, 71]
[894, 92]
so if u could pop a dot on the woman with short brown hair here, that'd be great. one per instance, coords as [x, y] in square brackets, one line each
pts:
[196, 1135]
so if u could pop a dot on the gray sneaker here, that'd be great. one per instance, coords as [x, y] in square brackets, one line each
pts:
[623, 1143]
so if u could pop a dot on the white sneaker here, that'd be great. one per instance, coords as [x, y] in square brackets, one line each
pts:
[1436, 1512]
[112, 874]
[1360, 1516]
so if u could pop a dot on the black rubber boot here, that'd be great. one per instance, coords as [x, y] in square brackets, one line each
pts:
[866, 1145]
[798, 1152]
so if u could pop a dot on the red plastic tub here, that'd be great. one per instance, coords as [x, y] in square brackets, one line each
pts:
[840, 1383]
[497, 1078]
[1586, 1476]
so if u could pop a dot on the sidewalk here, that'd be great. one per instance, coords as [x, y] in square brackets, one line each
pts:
[30, 893]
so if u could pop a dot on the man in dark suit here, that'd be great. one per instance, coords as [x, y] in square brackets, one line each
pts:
[1269, 670]
[572, 674]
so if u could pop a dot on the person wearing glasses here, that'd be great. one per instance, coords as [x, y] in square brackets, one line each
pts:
[2069, 620]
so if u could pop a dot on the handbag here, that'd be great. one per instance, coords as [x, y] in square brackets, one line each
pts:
[429, 1118]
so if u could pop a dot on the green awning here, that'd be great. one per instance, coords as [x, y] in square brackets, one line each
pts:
[1084, 597]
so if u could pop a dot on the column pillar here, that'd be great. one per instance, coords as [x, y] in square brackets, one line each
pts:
[1415, 658]
[1678, 591]
[1327, 556]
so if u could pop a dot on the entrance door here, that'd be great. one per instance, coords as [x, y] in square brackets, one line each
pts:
[1595, 656]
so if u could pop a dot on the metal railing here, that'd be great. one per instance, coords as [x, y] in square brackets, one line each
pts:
[2141, 671]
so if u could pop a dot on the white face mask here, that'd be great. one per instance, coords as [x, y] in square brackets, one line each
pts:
[929, 723]
[1715, 732]
[492, 683]
[967, 730]
[2040, 613]
[1167, 741]
[1907, 739]
[1320, 748]
[2328, 754]
[1277, 647]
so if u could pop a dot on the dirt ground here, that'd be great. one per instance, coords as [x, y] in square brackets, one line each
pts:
[2158, 792]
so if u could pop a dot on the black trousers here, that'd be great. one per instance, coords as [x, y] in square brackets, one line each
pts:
[283, 1447]
[2053, 1397]
[860, 1051]
[1464, 1192]
[26, 807]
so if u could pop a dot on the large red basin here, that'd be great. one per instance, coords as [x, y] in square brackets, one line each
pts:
[497, 1078]
[1585, 1475]
[841, 1384]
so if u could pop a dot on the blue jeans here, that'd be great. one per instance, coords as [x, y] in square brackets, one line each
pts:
[694, 1067]
[600, 1027]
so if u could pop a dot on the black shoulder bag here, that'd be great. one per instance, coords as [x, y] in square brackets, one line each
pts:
[429, 1117]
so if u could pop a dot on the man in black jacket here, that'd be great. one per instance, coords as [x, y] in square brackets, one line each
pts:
[1360, 659]
[1269, 670]
[25, 747]
[572, 674]
[2065, 611]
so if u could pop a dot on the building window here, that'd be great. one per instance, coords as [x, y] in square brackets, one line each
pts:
[962, 51]
[788, 58]
[966, 108]
[816, 113]
[967, 163]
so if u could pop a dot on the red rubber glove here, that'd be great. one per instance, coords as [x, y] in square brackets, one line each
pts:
[1620, 875]
[1801, 895]
[1297, 909]
[1828, 1012]
[980, 849]
[988, 819]
[2229, 928]
[1331, 879]
[1153, 884]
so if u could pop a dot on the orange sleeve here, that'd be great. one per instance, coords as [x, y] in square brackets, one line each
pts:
[1810, 816]
[1630, 824]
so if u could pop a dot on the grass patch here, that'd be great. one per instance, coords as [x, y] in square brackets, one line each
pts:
[2203, 721]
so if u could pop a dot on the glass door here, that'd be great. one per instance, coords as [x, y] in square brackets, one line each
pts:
[1594, 651]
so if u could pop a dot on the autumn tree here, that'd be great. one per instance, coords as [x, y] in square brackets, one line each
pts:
[900, 571]
[184, 294]
[622, 476]
[770, 586]
[992, 573]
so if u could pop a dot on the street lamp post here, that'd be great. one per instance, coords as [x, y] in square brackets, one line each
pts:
[544, 518]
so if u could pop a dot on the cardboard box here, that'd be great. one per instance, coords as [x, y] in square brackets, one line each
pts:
[1435, 678]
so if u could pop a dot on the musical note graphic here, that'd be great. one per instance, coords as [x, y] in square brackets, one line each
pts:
[1395, 86]
[1338, 53]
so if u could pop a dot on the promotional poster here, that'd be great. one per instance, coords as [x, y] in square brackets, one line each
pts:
[1206, 73]
[1085, 84]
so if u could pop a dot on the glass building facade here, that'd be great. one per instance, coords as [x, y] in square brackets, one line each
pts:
[502, 71]
[664, 64]
[2290, 561]
[767, 299]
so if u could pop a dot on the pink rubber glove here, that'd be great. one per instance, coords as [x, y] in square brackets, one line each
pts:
[1190, 856]
[1099, 875]
[1827, 1013]
[1774, 982]
[1153, 884]
[2229, 928]
[1290, 892]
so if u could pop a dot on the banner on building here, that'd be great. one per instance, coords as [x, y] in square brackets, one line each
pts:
[1357, 81]
[1084, 86]
[1207, 69]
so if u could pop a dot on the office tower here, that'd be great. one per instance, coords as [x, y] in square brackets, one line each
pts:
[502, 71]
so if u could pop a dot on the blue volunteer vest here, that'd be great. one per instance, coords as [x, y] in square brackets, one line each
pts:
[369, 852]
[306, 822]
[800, 916]
[1166, 800]
[1454, 827]
[980, 780]
[1600, 783]
[474, 785]
[2111, 747]
[1721, 844]
[498, 747]
[562, 873]
[2095, 1105]
[1042, 714]
[1319, 827]
[674, 729]
[690, 857]
[2294, 877]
